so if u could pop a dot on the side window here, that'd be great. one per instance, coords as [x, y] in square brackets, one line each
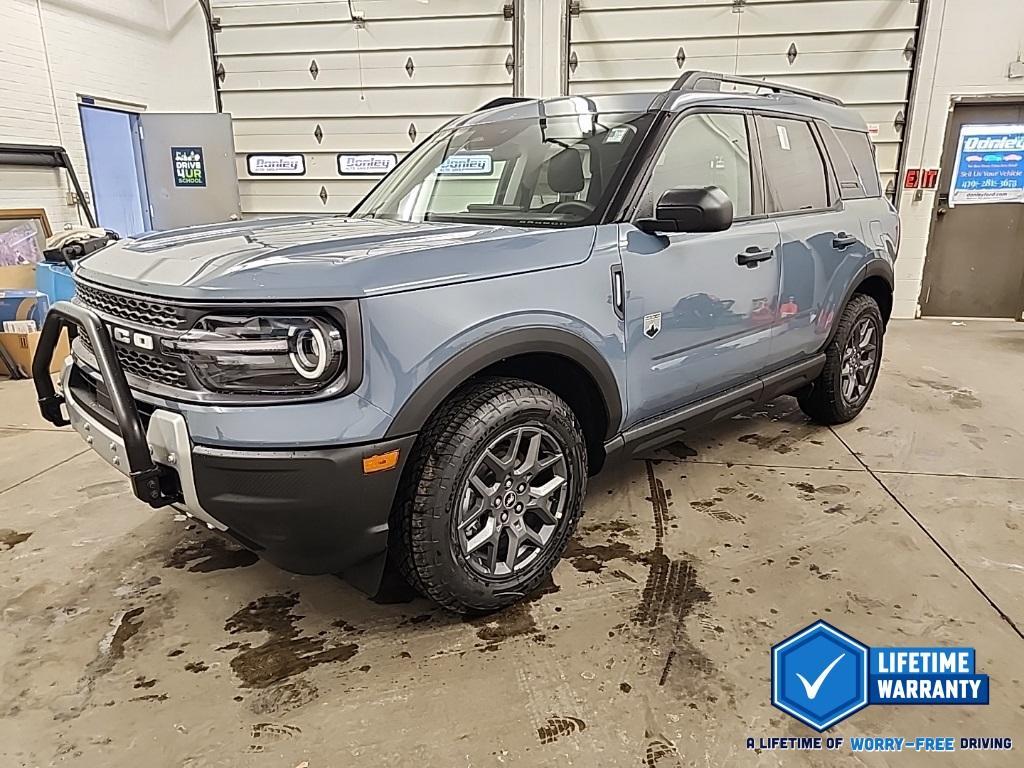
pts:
[706, 150]
[850, 185]
[794, 170]
[858, 146]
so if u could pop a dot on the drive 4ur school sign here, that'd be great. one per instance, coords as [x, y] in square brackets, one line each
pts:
[989, 165]
[188, 167]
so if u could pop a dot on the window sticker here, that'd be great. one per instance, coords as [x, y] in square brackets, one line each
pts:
[783, 137]
[466, 165]
[366, 163]
[617, 135]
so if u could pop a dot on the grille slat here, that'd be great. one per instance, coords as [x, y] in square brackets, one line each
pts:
[145, 366]
[132, 308]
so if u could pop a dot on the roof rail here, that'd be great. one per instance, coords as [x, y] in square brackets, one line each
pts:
[502, 101]
[712, 81]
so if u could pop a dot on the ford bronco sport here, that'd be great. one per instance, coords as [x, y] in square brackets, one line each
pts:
[536, 286]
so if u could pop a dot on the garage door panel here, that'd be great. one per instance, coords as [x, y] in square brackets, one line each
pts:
[393, 76]
[640, 75]
[772, 17]
[776, 66]
[640, 23]
[349, 101]
[374, 11]
[306, 187]
[857, 50]
[269, 203]
[379, 85]
[868, 42]
[344, 36]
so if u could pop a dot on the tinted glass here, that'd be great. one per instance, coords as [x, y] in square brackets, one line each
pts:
[794, 170]
[544, 171]
[858, 146]
[706, 150]
[850, 185]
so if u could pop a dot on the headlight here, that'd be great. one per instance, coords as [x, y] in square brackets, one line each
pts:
[268, 354]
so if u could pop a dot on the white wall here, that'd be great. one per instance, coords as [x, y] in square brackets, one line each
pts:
[151, 54]
[968, 46]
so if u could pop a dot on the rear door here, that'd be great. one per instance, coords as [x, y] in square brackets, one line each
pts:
[698, 319]
[821, 240]
[189, 162]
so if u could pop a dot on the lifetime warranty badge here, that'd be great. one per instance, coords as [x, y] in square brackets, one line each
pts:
[821, 676]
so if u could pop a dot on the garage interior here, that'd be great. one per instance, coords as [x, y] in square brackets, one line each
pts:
[135, 636]
[129, 631]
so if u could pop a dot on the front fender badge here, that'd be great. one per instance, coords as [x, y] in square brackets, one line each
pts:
[652, 325]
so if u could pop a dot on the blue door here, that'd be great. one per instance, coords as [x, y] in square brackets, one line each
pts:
[699, 312]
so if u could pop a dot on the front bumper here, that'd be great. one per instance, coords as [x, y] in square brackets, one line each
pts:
[308, 511]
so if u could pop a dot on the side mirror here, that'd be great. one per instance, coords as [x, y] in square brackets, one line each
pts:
[690, 209]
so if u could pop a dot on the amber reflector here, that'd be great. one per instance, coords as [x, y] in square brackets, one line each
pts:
[380, 462]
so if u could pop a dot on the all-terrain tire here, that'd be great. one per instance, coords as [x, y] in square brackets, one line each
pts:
[426, 513]
[823, 400]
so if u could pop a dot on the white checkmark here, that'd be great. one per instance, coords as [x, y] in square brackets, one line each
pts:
[811, 689]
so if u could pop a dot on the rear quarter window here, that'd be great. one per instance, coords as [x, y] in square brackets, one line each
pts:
[862, 153]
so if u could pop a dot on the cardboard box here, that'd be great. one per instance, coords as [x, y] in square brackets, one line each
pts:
[22, 348]
[23, 305]
[19, 277]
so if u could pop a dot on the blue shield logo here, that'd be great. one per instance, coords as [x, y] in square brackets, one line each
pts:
[820, 676]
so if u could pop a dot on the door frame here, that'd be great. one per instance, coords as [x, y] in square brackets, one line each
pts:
[941, 196]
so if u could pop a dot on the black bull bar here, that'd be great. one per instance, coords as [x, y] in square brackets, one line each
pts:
[151, 482]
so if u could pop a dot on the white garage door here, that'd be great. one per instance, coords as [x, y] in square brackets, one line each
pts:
[858, 50]
[307, 79]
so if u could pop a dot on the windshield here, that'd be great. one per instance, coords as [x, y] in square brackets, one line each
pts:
[538, 171]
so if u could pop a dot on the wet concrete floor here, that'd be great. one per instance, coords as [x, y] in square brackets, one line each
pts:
[130, 638]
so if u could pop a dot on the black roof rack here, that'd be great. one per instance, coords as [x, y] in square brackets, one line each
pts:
[502, 101]
[712, 81]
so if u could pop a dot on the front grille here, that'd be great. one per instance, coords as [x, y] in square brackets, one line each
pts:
[146, 366]
[132, 308]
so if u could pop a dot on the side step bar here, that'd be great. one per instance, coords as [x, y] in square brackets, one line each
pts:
[668, 428]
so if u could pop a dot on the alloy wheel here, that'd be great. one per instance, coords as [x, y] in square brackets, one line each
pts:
[512, 502]
[859, 362]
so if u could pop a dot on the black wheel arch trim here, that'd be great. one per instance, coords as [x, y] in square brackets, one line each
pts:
[874, 268]
[502, 345]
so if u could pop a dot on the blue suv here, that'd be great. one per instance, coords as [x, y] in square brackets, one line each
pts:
[537, 286]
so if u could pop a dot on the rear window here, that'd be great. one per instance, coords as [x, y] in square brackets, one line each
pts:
[858, 146]
[794, 170]
[850, 185]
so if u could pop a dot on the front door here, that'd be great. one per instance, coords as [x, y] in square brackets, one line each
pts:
[189, 160]
[699, 313]
[975, 261]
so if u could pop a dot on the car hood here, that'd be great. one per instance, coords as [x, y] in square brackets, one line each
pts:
[326, 257]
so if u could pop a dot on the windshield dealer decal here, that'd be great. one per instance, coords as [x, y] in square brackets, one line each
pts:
[466, 165]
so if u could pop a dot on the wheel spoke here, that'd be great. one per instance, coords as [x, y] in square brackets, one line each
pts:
[483, 536]
[540, 499]
[512, 553]
[486, 491]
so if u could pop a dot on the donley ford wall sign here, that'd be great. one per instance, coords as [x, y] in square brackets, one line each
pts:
[989, 165]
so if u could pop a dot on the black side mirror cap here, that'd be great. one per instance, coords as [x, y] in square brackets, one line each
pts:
[690, 209]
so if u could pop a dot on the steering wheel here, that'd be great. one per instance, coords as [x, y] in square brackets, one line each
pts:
[574, 206]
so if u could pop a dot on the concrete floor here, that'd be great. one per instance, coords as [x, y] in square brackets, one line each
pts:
[132, 640]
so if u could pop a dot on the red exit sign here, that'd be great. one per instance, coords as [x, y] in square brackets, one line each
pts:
[921, 178]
